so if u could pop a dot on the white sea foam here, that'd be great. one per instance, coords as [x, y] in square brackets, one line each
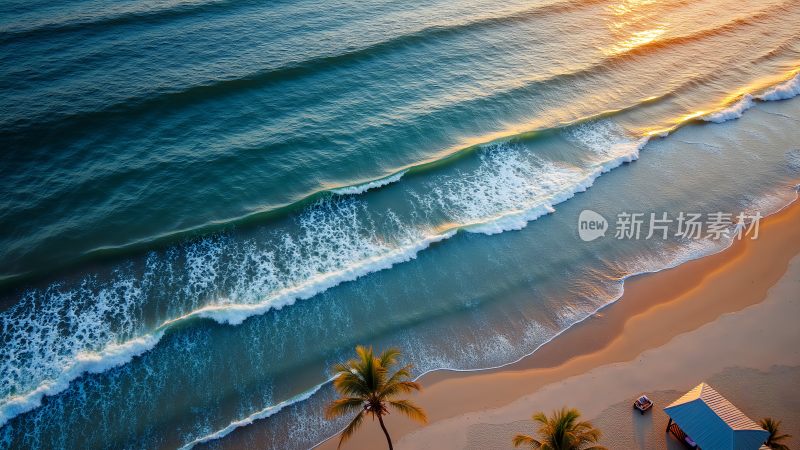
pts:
[330, 249]
[782, 91]
[508, 190]
[609, 141]
[530, 191]
[361, 188]
[511, 188]
[235, 314]
[732, 112]
[112, 356]
[262, 414]
[53, 336]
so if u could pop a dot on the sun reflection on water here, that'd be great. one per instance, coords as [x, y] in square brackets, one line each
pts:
[636, 39]
[634, 23]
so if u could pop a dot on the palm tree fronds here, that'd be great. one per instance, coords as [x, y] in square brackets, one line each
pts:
[342, 406]
[773, 427]
[351, 385]
[398, 387]
[351, 428]
[403, 372]
[367, 387]
[389, 357]
[541, 418]
[411, 410]
[586, 432]
[562, 430]
[523, 439]
[364, 353]
[340, 368]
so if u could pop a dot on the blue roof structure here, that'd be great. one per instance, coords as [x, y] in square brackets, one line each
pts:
[713, 422]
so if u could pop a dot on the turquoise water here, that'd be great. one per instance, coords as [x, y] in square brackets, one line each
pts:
[206, 204]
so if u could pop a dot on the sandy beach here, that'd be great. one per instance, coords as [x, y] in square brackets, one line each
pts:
[728, 319]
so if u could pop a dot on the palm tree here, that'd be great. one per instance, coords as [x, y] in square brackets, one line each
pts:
[367, 387]
[561, 431]
[773, 426]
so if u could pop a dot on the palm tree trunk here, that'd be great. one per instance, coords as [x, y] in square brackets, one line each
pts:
[388, 439]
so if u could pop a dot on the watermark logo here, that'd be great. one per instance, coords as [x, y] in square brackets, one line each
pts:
[591, 225]
[636, 226]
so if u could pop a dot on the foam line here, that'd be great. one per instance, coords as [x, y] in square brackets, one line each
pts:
[517, 220]
[235, 314]
[732, 112]
[364, 187]
[112, 356]
[262, 414]
[782, 91]
[119, 354]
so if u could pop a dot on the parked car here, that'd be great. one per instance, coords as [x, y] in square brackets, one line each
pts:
[643, 404]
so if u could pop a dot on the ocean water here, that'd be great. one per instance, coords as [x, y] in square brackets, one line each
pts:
[205, 204]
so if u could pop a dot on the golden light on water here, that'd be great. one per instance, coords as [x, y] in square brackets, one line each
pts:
[692, 115]
[633, 23]
[637, 39]
[629, 6]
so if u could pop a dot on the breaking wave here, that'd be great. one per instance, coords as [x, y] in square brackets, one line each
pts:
[361, 188]
[782, 91]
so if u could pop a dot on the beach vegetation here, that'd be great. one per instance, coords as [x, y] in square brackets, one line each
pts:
[561, 431]
[369, 387]
[776, 439]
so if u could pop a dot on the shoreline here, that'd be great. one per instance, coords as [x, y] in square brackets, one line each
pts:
[654, 309]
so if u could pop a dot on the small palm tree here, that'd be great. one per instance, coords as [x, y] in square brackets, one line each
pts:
[775, 438]
[561, 431]
[366, 387]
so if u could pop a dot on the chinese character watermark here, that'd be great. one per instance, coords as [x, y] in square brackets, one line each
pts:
[686, 225]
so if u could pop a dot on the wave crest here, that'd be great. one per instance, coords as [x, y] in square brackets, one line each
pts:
[783, 91]
[364, 187]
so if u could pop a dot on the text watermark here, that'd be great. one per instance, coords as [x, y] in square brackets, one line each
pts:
[635, 226]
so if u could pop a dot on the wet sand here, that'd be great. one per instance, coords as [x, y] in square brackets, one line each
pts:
[608, 359]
